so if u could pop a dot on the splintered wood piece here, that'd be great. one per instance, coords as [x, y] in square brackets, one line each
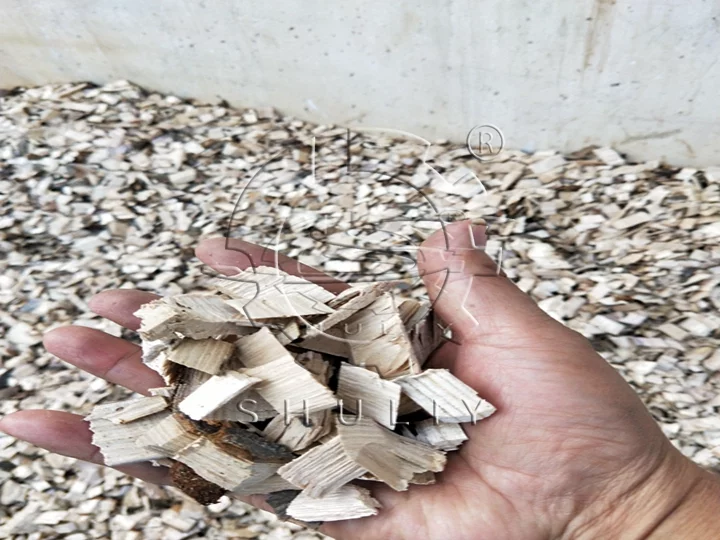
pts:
[186, 381]
[207, 355]
[154, 355]
[323, 469]
[272, 484]
[164, 391]
[122, 412]
[214, 393]
[294, 433]
[390, 457]
[445, 397]
[117, 441]
[208, 308]
[264, 281]
[156, 319]
[425, 329]
[248, 407]
[332, 342]
[168, 436]
[291, 389]
[446, 437]
[278, 306]
[424, 478]
[194, 485]
[260, 348]
[378, 339]
[164, 319]
[347, 502]
[217, 466]
[363, 392]
[346, 304]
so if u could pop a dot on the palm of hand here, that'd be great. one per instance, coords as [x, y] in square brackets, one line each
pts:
[566, 427]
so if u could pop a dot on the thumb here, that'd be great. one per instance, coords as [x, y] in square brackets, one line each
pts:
[468, 289]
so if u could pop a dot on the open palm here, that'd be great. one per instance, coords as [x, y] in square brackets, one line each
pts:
[569, 445]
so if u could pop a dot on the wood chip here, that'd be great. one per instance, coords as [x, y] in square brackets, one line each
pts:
[214, 393]
[347, 502]
[206, 355]
[363, 392]
[445, 397]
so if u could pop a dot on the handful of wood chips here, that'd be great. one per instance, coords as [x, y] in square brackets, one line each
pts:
[276, 386]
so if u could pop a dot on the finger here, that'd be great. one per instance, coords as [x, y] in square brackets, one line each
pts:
[111, 358]
[69, 435]
[232, 255]
[468, 291]
[119, 305]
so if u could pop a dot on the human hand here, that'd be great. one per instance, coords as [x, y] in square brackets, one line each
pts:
[571, 452]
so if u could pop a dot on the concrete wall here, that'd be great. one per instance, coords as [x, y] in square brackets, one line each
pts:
[640, 75]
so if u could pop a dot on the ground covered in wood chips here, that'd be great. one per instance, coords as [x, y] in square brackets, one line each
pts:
[107, 187]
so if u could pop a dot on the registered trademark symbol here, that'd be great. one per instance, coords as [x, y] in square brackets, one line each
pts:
[485, 142]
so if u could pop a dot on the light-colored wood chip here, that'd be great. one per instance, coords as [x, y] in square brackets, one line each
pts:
[298, 432]
[206, 355]
[346, 304]
[291, 389]
[117, 442]
[169, 436]
[323, 469]
[362, 391]
[390, 457]
[347, 502]
[445, 397]
[446, 437]
[122, 412]
[214, 393]
[378, 339]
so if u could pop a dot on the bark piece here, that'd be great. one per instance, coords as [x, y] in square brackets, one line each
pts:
[194, 485]
[322, 470]
[362, 391]
[214, 393]
[445, 397]
[390, 457]
[206, 355]
[236, 437]
[347, 502]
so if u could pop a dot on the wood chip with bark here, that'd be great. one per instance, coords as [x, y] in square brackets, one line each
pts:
[278, 387]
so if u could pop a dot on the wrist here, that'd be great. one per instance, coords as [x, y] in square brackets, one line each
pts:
[677, 499]
[697, 515]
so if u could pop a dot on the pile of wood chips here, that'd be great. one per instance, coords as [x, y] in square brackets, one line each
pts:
[261, 374]
[113, 186]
